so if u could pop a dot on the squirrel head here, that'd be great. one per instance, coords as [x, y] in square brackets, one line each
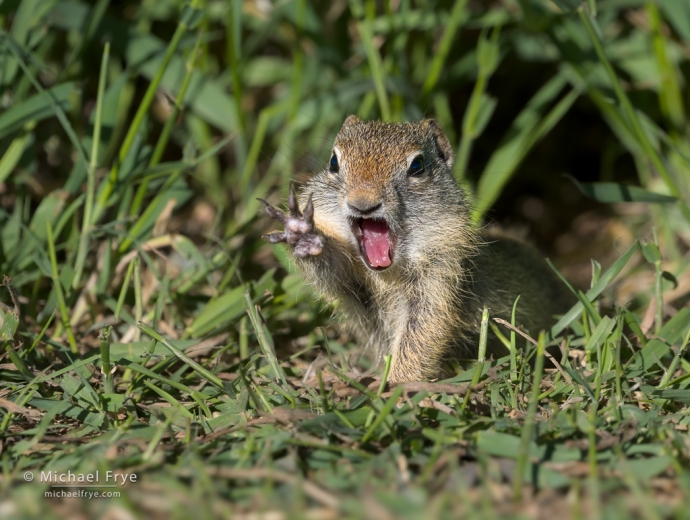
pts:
[371, 155]
[383, 179]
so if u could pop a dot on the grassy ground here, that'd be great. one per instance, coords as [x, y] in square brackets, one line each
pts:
[148, 332]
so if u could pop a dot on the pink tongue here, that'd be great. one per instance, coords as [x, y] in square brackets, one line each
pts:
[376, 242]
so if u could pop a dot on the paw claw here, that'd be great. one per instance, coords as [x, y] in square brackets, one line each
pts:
[272, 212]
[275, 238]
[309, 213]
[293, 206]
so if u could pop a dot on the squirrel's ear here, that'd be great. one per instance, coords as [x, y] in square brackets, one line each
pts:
[443, 146]
[350, 120]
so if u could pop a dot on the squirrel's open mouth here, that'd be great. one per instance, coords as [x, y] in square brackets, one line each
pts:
[376, 242]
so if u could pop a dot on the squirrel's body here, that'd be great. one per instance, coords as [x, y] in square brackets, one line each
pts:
[392, 243]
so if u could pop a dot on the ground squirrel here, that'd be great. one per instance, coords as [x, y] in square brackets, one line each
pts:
[386, 234]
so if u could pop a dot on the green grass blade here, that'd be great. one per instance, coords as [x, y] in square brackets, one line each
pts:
[18, 52]
[91, 172]
[167, 128]
[265, 340]
[14, 152]
[181, 355]
[106, 368]
[529, 425]
[595, 291]
[35, 108]
[383, 413]
[527, 129]
[86, 35]
[612, 192]
[64, 313]
[449, 33]
[21, 25]
[109, 182]
[623, 99]
[376, 67]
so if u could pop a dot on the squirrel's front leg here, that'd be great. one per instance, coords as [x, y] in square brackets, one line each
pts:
[299, 227]
[422, 341]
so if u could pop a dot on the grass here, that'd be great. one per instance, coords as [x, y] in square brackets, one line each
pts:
[147, 330]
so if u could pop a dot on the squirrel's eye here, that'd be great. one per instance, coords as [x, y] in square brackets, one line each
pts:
[333, 166]
[416, 166]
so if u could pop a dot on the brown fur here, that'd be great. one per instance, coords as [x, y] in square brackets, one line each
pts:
[425, 307]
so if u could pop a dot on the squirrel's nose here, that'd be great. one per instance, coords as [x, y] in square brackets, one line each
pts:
[362, 206]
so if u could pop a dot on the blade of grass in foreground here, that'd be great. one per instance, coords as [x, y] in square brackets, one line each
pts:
[385, 411]
[481, 359]
[64, 315]
[595, 291]
[513, 344]
[91, 172]
[265, 341]
[528, 427]
[181, 355]
[106, 368]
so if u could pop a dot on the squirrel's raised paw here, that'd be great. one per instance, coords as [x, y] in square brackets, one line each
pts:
[299, 227]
